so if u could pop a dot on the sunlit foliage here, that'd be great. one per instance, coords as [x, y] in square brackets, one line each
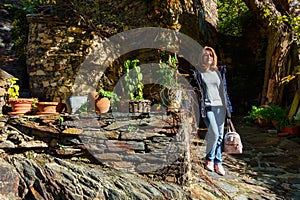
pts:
[232, 15]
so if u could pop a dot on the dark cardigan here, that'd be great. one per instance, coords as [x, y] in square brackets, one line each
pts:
[200, 89]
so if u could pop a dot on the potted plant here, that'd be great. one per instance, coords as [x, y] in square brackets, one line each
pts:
[105, 100]
[171, 94]
[102, 100]
[289, 129]
[278, 116]
[289, 126]
[271, 115]
[134, 86]
[45, 107]
[19, 106]
[262, 115]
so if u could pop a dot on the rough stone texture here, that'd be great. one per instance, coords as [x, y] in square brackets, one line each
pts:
[145, 150]
[9, 179]
[54, 178]
[56, 51]
[102, 166]
[39, 172]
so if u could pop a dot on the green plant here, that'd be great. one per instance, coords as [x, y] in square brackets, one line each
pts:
[133, 78]
[168, 72]
[34, 104]
[13, 88]
[171, 93]
[30, 154]
[254, 114]
[84, 108]
[289, 23]
[60, 144]
[274, 113]
[110, 95]
[266, 112]
[132, 128]
[233, 15]
[60, 120]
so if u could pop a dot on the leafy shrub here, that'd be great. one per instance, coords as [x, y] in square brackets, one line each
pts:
[273, 113]
[13, 88]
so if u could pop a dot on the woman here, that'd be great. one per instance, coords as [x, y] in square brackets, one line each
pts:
[215, 106]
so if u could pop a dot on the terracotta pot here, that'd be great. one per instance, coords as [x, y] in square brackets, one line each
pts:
[47, 107]
[285, 131]
[263, 122]
[102, 105]
[296, 130]
[20, 106]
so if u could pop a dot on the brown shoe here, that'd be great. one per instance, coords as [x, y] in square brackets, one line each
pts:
[209, 165]
[219, 170]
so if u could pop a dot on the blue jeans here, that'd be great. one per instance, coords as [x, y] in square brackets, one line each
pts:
[214, 121]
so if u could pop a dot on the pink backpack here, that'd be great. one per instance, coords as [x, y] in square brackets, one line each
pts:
[232, 140]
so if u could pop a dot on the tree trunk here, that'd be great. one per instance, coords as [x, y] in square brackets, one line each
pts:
[276, 67]
[279, 54]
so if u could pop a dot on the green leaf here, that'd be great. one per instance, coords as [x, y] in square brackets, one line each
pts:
[138, 69]
[140, 77]
[130, 87]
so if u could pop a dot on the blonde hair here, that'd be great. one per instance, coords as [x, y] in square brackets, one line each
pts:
[214, 64]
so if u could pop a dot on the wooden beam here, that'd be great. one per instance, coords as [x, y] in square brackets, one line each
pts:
[294, 106]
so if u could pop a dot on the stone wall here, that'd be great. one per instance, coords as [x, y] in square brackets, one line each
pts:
[156, 145]
[153, 145]
[54, 54]
[56, 51]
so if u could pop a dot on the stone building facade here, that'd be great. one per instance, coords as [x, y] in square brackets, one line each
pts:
[60, 65]
[56, 50]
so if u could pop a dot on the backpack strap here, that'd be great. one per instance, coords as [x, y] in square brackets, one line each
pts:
[230, 125]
